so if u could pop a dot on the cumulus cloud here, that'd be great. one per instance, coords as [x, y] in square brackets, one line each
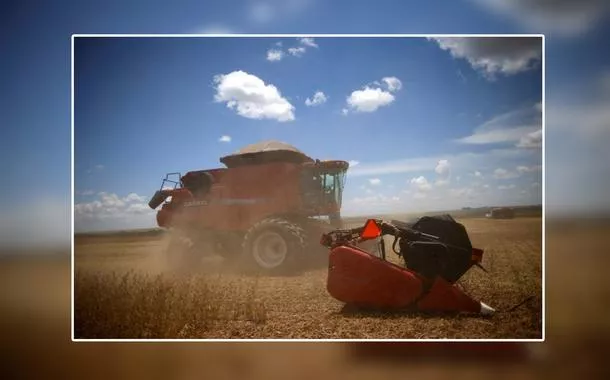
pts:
[133, 197]
[393, 83]
[513, 127]
[375, 181]
[318, 98]
[297, 51]
[529, 169]
[225, 139]
[421, 183]
[251, 97]
[565, 17]
[442, 168]
[369, 99]
[111, 206]
[274, 55]
[532, 140]
[372, 96]
[495, 55]
[502, 173]
[308, 41]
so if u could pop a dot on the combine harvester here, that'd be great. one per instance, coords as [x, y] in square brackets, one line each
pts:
[267, 208]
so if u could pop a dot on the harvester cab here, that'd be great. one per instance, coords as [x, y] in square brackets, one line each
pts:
[322, 184]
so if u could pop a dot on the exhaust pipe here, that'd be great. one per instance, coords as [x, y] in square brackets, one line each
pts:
[159, 197]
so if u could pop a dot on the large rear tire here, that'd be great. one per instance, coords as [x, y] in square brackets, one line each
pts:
[274, 245]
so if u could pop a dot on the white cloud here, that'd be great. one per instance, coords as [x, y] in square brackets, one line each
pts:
[344, 111]
[421, 183]
[274, 55]
[225, 139]
[565, 17]
[375, 181]
[502, 173]
[372, 96]
[478, 174]
[495, 55]
[133, 197]
[296, 51]
[529, 169]
[510, 127]
[318, 98]
[308, 41]
[369, 99]
[111, 206]
[462, 160]
[462, 192]
[353, 163]
[496, 136]
[393, 83]
[532, 140]
[442, 168]
[251, 98]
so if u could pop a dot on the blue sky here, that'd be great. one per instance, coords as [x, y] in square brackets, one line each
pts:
[145, 107]
[36, 51]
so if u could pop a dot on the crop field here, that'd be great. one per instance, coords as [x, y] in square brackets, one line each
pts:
[124, 290]
[35, 300]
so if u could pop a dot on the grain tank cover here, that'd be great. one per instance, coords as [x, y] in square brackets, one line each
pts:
[265, 152]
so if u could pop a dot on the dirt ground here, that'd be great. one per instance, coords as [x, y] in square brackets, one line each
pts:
[124, 290]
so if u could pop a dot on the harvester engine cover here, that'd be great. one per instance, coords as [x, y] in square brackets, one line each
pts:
[436, 250]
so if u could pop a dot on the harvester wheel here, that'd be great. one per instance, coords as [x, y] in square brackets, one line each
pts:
[273, 245]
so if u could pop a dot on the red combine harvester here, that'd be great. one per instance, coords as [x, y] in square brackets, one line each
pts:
[436, 251]
[267, 207]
